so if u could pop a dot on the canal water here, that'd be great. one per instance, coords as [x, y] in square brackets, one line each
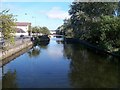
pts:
[58, 65]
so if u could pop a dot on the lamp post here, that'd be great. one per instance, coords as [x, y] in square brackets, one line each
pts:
[29, 27]
[34, 20]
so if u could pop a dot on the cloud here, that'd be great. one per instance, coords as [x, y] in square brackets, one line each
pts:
[57, 13]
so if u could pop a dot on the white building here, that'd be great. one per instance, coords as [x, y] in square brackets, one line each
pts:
[22, 28]
[0, 35]
[52, 32]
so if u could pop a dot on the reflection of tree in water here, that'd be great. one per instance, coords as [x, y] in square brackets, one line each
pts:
[59, 41]
[34, 52]
[91, 70]
[43, 45]
[9, 80]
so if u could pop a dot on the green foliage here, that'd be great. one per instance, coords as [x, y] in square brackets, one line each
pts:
[95, 22]
[83, 14]
[105, 33]
[7, 25]
[60, 30]
[29, 29]
[40, 30]
[118, 12]
[45, 30]
[66, 29]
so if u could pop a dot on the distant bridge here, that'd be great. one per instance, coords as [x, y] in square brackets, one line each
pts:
[52, 31]
[55, 35]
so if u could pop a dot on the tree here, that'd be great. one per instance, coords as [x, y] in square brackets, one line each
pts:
[45, 30]
[40, 30]
[106, 32]
[82, 14]
[118, 9]
[95, 23]
[7, 25]
[29, 30]
[35, 30]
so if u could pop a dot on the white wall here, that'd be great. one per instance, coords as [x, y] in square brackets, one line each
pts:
[0, 34]
[25, 28]
[18, 34]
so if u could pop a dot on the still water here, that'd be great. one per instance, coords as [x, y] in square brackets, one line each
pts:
[58, 65]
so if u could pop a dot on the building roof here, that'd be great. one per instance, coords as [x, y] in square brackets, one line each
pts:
[22, 23]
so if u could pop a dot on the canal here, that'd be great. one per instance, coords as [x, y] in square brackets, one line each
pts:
[58, 65]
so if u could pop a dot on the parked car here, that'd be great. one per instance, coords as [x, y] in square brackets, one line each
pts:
[21, 35]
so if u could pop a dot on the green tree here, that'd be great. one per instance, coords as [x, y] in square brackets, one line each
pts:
[40, 30]
[29, 30]
[106, 32]
[118, 9]
[95, 22]
[45, 30]
[35, 30]
[82, 14]
[7, 25]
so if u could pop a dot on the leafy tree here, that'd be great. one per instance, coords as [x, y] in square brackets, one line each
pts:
[82, 14]
[118, 9]
[45, 30]
[29, 30]
[7, 25]
[42, 30]
[95, 22]
[66, 29]
[106, 32]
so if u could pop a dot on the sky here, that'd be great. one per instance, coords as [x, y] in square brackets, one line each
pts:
[49, 14]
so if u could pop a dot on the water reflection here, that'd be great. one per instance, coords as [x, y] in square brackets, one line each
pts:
[59, 41]
[34, 52]
[61, 65]
[88, 70]
[43, 45]
[9, 80]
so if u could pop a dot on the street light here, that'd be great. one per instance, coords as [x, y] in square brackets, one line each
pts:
[34, 20]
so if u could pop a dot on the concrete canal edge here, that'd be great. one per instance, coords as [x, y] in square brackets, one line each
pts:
[7, 53]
